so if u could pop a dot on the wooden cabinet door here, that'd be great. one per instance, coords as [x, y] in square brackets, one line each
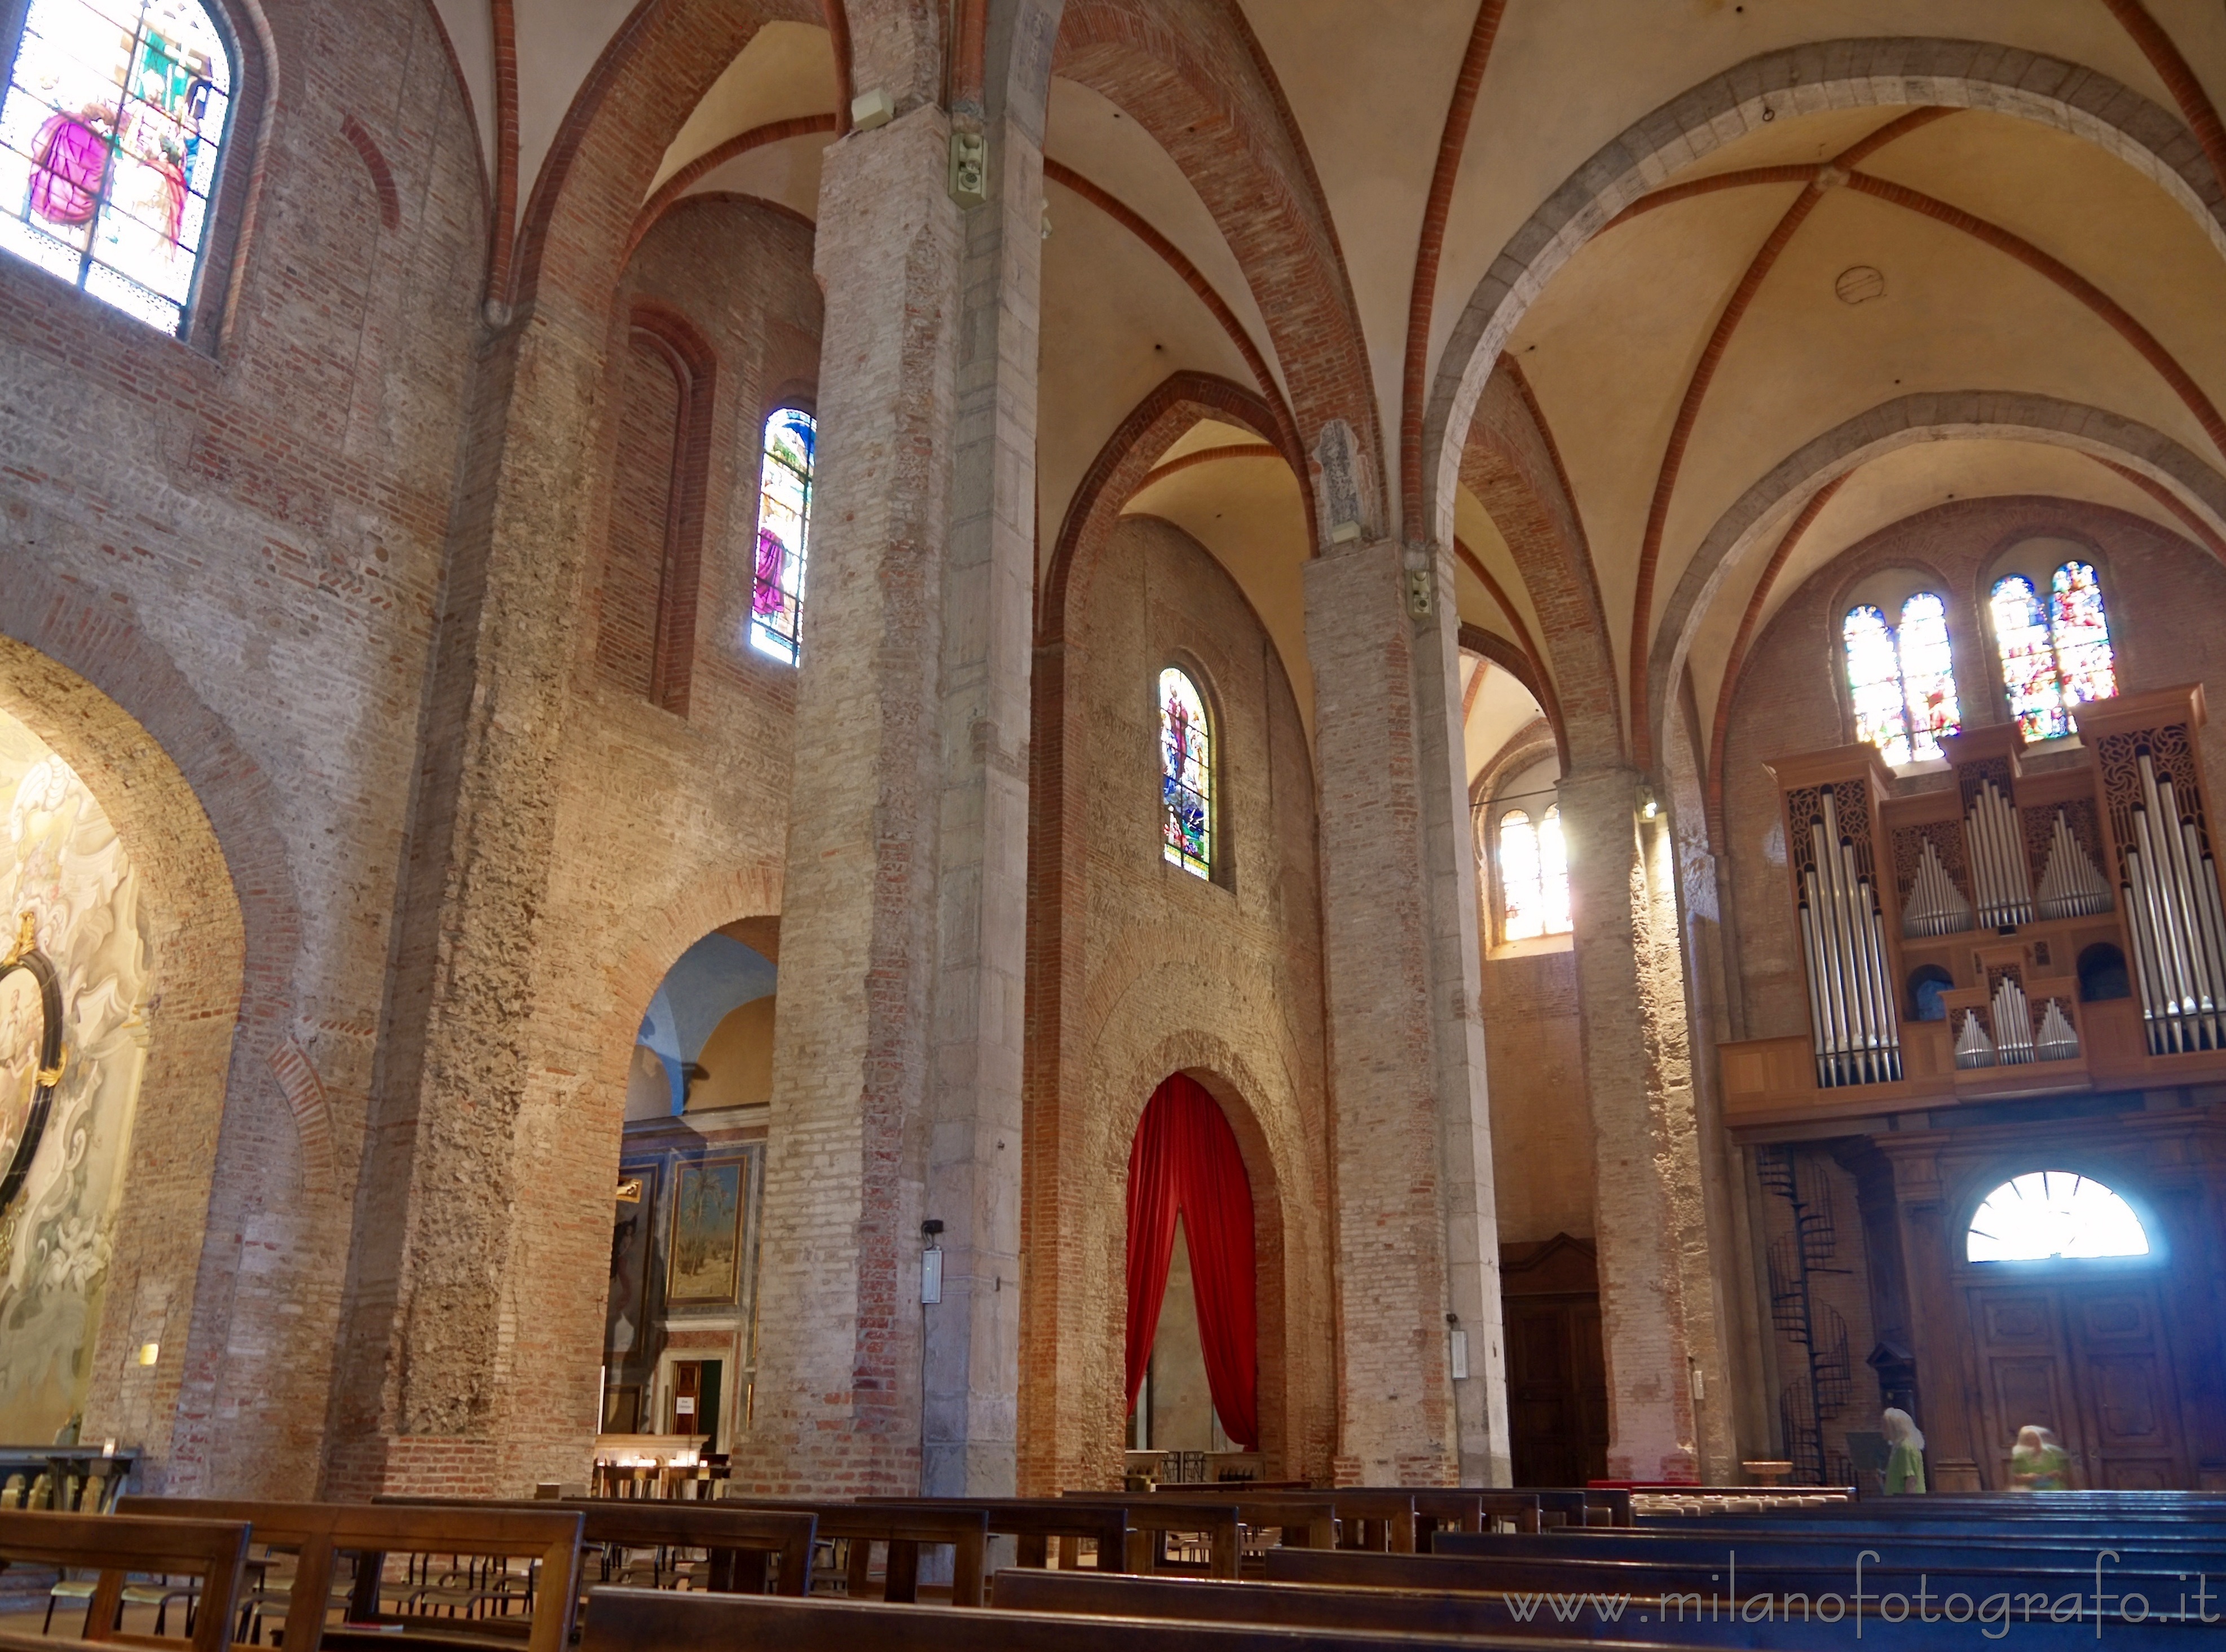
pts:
[2122, 1370]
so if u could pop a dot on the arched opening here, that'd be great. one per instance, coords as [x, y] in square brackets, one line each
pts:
[1193, 1330]
[678, 1345]
[2053, 1216]
[112, 871]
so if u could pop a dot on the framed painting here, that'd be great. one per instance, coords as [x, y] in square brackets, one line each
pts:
[707, 1234]
[626, 1320]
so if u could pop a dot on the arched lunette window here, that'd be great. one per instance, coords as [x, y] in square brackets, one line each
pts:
[110, 138]
[2055, 654]
[2054, 1215]
[1186, 774]
[1534, 876]
[1902, 678]
[784, 533]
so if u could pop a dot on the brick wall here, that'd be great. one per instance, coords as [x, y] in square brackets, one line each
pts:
[2162, 595]
[1542, 1146]
[257, 593]
[1161, 972]
[667, 826]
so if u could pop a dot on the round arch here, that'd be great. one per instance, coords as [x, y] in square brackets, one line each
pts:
[2125, 443]
[1884, 72]
[193, 811]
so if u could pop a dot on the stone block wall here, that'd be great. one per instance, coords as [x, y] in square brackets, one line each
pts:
[1161, 971]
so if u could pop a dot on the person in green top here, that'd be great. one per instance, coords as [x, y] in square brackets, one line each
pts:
[2038, 1463]
[1905, 1461]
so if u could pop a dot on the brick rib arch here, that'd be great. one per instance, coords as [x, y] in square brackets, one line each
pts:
[1831, 74]
[1191, 74]
[1508, 463]
[1965, 415]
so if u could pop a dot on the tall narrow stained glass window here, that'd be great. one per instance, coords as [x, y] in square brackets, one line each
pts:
[1534, 876]
[784, 533]
[1902, 678]
[1185, 775]
[110, 136]
[2055, 653]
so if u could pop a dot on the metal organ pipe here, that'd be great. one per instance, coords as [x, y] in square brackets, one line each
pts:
[1853, 1019]
[2173, 909]
[1999, 872]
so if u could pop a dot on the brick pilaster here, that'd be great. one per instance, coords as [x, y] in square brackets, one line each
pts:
[1416, 1237]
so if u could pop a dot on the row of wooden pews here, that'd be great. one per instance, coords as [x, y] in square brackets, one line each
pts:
[1346, 1570]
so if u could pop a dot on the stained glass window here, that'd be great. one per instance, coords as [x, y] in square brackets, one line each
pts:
[1928, 675]
[784, 533]
[2047, 1214]
[1874, 679]
[1185, 775]
[110, 137]
[1902, 678]
[2028, 661]
[1534, 875]
[2055, 653]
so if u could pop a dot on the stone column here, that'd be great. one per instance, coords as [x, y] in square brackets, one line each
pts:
[1648, 1196]
[970, 1429]
[1417, 1239]
[897, 1059]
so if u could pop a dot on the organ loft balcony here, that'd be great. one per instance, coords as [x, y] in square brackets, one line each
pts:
[2012, 934]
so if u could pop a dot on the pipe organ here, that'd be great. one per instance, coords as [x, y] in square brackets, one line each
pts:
[2032, 921]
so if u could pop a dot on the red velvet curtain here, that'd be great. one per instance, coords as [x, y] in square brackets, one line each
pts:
[1185, 1163]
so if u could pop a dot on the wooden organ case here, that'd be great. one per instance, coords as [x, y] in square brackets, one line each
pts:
[1944, 934]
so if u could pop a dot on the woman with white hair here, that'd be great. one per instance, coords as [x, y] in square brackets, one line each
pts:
[1905, 1461]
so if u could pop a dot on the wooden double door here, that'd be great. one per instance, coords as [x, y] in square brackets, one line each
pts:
[2090, 1359]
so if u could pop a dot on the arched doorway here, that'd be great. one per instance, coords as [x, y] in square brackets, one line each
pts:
[1193, 1336]
[679, 1348]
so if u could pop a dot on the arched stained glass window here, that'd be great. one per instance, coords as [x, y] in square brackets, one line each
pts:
[2055, 653]
[784, 533]
[1534, 875]
[110, 136]
[2051, 1214]
[1186, 774]
[1902, 678]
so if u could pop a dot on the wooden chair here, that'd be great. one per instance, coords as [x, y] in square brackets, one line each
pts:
[116, 1546]
[320, 1532]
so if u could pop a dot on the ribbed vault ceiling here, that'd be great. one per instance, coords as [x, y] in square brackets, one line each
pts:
[2010, 256]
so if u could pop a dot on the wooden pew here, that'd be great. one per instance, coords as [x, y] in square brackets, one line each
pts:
[2039, 1577]
[1491, 1617]
[659, 1620]
[1037, 1523]
[905, 1527]
[115, 1545]
[320, 1532]
[738, 1542]
[1308, 1519]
